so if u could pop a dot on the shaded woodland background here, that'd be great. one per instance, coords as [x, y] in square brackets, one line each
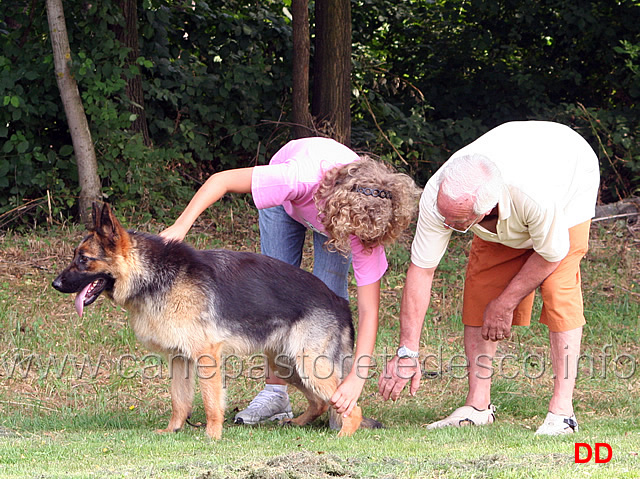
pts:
[176, 90]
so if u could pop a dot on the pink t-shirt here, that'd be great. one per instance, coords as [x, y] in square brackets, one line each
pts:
[291, 178]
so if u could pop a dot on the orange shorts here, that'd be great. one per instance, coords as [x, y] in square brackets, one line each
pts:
[492, 266]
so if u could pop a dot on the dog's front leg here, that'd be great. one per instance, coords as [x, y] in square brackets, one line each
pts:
[182, 387]
[351, 423]
[209, 370]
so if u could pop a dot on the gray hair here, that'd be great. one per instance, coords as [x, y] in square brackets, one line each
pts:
[472, 175]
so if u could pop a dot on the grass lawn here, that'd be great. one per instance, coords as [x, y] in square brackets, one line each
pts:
[80, 397]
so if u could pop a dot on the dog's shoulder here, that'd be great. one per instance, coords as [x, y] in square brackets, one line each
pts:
[158, 253]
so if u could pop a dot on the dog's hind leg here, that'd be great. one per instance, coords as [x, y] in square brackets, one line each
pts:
[182, 387]
[316, 408]
[208, 365]
[316, 377]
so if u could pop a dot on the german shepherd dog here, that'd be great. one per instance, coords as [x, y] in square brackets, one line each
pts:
[198, 306]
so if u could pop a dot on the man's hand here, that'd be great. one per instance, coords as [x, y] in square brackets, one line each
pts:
[397, 374]
[498, 315]
[497, 322]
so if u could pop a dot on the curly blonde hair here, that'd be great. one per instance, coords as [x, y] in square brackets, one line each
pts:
[367, 199]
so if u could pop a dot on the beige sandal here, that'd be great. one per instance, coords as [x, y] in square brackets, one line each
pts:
[467, 416]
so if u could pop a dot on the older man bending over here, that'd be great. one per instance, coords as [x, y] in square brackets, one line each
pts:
[527, 190]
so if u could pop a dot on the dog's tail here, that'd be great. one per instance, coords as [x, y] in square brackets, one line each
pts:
[335, 421]
[369, 423]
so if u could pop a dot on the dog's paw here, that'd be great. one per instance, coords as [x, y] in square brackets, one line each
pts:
[291, 422]
[287, 421]
[214, 431]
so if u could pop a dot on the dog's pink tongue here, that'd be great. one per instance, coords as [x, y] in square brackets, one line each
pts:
[80, 300]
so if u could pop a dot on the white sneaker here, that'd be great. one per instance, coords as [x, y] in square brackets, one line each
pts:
[467, 416]
[555, 424]
[266, 406]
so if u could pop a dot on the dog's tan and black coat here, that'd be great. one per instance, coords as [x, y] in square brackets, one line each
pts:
[198, 306]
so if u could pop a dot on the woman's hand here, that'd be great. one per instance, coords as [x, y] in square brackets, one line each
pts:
[346, 396]
[173, 232]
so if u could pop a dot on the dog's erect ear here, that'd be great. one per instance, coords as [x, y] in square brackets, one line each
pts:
[95, 213]
[106, 225]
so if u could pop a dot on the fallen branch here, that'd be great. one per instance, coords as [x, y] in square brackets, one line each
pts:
[621, 209]
[613, 217]
[628, 290]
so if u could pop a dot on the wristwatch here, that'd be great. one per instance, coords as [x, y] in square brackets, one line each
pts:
[405, 352]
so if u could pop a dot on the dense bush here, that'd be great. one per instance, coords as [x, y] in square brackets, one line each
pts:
[439, 73]
[220, 74]
[213, 79]
[429, 76]
[37, 157]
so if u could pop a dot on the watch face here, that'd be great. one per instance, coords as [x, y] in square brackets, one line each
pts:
[404, 352]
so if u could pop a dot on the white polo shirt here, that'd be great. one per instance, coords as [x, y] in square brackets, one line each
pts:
[551, 177]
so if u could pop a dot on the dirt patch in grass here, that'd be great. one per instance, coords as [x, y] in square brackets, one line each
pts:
[310, 465]
[299, 465]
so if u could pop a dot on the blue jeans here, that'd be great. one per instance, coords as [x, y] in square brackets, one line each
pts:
[282, 237]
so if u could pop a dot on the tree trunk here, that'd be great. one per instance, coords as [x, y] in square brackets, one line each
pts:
[128, 36]
[76, 118]
[302, 121]
[332, 69]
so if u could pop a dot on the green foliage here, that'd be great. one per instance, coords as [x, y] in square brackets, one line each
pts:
[614, 135]
[140, 179]
[218, 74]
[440, 73]
[36, 159]
[30, 158]
[210, 76]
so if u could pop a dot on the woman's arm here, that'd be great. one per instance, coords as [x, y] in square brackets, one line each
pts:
[346, 396]
[230, 181]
